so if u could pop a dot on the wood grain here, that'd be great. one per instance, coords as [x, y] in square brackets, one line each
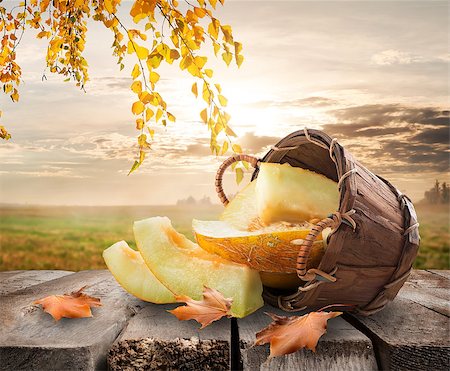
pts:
[412, 332]
[32, 339]
[341, 348]
[16, 280]
[155, 339]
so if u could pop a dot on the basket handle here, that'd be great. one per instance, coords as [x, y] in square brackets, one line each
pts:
[228, 162]
[334, 221]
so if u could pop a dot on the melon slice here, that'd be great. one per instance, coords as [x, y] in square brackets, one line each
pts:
[268, 249]
[293, 194]
[241, 212]
[185, 268]
[130, 271]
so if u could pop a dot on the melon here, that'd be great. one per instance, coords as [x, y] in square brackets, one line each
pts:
[241, 212]
[185, 268]
[293, 194]
[130, 271]
[268, 249]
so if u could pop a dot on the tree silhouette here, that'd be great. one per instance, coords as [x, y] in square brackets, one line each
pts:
[439, 194]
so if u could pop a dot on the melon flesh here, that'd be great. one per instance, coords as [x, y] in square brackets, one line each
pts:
[293, 194]
[130, 271]
[268, 249]
[241, 212]
[185, 268]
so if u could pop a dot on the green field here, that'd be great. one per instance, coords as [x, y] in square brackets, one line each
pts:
[73, 238]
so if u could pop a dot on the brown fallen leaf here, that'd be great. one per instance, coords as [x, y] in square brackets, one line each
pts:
[213, 307]
[73, 305]
[288, 334]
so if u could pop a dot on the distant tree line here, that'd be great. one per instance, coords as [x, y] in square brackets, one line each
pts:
[191, 201]
[439, 194]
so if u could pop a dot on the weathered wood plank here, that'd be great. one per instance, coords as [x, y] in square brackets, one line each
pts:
[31, 339]
[155, 339]
[408, 336]
[341, 348]
[443, 273]
[16, 280]
[428, 289]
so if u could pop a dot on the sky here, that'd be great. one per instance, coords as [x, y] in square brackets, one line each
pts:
[372, 74]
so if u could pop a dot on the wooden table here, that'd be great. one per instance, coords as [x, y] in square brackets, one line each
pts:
[412, 333]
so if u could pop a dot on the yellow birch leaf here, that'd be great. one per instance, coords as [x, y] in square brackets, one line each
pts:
[227, 57]
[142, 140]
[136, 71]
[209, 72]
[239, 175]
[199, 12]
[194, 89]
[139, 124]
[151, 132]
[204, 115]
[109, 6]
[170, 117]
[141, 52]
[223, 101]
[227, 33]
[154, 77]
[236, 148]
[185, 62]
[206, 93]
[158, 114]
[141, 156]
[237, 47]
[230, 132]
[137, 107]
[216, 49]
[213, 28]
[200, 61]
[145, 97]
[148, 114]
[154, 60]
[174, 54]
[218, 128]
[239, 60]
[134, 167]
[224, 148]
[136, 87]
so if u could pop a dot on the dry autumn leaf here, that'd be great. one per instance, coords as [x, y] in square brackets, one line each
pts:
[213, 307]
[288, 334]
[73, 305]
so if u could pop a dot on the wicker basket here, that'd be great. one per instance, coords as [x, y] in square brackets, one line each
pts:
[375, 239]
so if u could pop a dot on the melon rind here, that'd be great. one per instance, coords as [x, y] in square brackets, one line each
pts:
[185, 268]
[269, 249]
[131, 272]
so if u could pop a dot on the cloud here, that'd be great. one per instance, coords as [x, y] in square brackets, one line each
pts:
[394, 137]
[433, 136]
[393, 56]
[308, 102]
[380, 115]
[253, 144]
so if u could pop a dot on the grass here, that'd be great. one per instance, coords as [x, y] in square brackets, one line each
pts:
[73, 238]
[435, 237]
